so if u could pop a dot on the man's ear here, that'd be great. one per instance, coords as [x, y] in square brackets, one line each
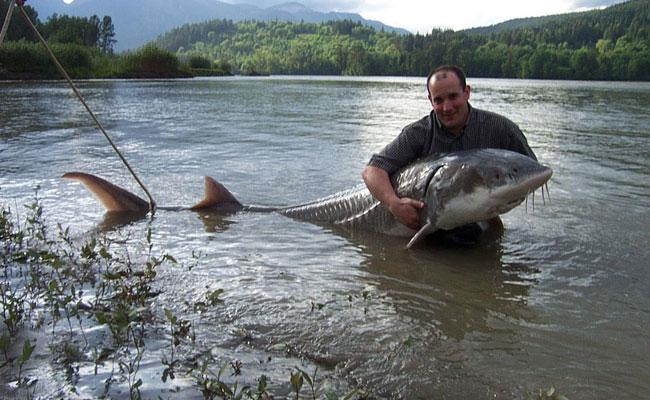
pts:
[467, 91]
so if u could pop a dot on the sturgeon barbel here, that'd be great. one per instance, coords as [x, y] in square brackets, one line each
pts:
[457, 189]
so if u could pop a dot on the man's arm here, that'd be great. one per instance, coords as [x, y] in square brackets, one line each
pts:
[404, 209]
[518, 141]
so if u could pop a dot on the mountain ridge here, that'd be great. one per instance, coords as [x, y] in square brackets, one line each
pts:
[136, 24]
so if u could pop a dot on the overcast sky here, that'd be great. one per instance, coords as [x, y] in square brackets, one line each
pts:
[424, 15]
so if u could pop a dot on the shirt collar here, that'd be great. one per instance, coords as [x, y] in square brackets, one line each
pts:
[470, 117]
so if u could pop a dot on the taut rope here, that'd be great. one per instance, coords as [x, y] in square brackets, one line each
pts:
[152, 203]
[5, 26]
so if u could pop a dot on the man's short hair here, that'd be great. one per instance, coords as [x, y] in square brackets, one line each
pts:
[449, 68]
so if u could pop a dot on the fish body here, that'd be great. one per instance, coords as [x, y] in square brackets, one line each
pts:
[457, 188]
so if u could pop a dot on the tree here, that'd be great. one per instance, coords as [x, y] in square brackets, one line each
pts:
[106, 35]
[585, 63]
[18, 28]
[77, 30]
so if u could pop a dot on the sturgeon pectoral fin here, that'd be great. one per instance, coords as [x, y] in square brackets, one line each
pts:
[216, 196]
[425, 230]
[112, 197]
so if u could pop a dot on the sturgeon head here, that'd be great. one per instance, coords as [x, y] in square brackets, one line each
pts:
[477, 185]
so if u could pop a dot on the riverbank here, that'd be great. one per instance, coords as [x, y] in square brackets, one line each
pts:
[29, 61]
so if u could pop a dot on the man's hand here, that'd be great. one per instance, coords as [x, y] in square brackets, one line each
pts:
[405, 210]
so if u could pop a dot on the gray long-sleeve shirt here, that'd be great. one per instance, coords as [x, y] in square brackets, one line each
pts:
[427, 136]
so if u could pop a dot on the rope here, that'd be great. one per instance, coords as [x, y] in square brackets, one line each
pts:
[152, 203]
[5, 26]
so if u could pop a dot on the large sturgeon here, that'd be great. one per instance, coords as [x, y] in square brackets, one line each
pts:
[457, 188]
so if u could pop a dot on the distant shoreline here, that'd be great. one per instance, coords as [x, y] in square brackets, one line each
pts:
[28, 77]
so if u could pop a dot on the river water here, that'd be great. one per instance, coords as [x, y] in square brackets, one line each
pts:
[561, 298]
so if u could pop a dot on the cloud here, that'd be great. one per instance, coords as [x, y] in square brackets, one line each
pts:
[318, 5]
[424, 15]
[594, 3]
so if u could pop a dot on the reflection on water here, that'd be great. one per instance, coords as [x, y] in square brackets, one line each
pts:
[115, 220]
[215, 222]
[452, 289]
[558, 297]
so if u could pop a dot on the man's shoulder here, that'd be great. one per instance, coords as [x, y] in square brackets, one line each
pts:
[490, 118]
[485, 114]
[423, 124]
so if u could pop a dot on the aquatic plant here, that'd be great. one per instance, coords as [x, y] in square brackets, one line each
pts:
[547, 394]
[49, 277]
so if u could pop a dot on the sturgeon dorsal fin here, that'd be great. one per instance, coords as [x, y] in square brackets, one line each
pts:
[216, 196]
[112, 197]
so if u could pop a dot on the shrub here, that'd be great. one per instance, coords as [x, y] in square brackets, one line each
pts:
[197, 61]
[31, 61]
[25, 58]
[149, 61]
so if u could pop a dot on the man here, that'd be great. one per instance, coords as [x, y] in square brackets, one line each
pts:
[452, 125]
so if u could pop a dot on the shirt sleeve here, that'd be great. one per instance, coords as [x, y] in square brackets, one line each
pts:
[518, 141]
[404, 149]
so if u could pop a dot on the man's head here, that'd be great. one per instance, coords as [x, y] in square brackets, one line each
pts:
[449, 95]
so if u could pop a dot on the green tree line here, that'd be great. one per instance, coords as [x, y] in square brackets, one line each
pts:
[609, 44]
[89, 32]
[84, 46]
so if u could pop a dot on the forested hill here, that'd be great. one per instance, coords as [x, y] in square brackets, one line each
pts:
[609, 44]
[633, 14]
[139, 21]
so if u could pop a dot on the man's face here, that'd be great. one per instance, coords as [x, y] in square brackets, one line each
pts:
[449, 100]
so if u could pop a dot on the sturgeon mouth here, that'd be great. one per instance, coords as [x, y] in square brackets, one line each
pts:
[521, 190]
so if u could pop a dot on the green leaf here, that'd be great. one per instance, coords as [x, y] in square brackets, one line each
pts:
[307, 377]
[101, 317]
[167, 257]
[261, 385]
[225, 388]
[222, 369]
[550, 392]
[5, 341]
[296, 381]
[331, 396]
[105, 254]
[171, 317]
[28, 349]
[213, 297]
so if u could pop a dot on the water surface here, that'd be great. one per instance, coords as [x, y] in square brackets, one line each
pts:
[559, 299]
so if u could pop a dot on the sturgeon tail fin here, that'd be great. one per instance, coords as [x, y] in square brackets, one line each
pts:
[216, 196]
[113, 198]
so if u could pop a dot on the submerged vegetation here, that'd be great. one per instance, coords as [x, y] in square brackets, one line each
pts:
[97, 300]
[91, 306]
